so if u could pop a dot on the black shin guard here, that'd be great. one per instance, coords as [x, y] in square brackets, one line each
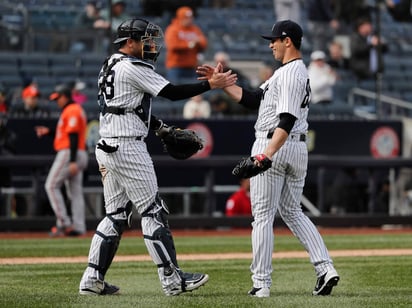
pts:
[158, 211]
[110, 244]
[164, 236]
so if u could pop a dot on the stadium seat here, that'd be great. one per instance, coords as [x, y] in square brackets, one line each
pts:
[11, 81]
[66, 71]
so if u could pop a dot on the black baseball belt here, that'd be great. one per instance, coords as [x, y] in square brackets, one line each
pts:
[296, 137]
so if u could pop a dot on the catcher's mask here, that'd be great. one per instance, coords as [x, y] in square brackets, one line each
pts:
[149, 34]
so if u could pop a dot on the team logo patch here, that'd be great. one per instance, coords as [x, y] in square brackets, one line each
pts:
[206, 135]
[385, 143]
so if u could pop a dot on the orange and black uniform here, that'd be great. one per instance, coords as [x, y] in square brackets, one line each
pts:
[70, 145]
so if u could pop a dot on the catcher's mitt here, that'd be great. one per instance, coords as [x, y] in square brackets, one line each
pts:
[179, 143]
[247, 167]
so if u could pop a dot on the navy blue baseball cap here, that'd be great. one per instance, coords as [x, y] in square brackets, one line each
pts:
[285, 28]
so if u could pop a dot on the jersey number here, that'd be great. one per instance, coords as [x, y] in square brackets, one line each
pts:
[106, 85]
[306, 99]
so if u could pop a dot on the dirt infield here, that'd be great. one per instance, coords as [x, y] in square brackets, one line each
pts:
[208, 257]
[222, 256]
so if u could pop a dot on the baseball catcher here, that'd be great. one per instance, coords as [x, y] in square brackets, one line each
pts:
[179, 143]
[248, 167]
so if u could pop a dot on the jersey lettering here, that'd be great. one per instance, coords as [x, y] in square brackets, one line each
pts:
[106, 85]
[306, 99]
[264, 91]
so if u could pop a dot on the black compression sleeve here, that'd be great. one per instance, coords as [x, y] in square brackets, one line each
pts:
[183, 91]
[286, 121]
[251, 99]
[74, 140]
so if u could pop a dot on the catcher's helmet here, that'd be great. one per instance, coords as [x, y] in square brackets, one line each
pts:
[142, 30]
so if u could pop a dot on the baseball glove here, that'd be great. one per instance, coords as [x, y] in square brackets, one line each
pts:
[179, 143]
[247, 167]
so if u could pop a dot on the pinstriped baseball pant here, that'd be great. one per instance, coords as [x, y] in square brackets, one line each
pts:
[131, 175]
[127, 174]
[280, 190]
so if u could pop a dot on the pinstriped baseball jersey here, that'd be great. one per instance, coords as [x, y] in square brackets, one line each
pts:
[128, 85]
[287, 91]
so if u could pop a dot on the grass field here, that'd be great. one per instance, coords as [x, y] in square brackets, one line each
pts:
[373, 281]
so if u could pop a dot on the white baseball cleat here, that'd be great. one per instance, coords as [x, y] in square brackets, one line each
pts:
[259, 292]
[192, 281]
[325, 283]
[100, 288]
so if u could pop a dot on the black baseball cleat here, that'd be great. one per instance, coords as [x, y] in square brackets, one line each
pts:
[192, 281]
[108, 289]
[325, 283]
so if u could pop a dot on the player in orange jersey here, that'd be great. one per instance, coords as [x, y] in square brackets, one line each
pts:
[68, 166]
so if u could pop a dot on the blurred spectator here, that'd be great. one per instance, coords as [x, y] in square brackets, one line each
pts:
[322, 24]
[89, 21]
[364, 61]
[347, 193]
[184, 43]
[30, 105]
[196, 108]
[77, 95]
[238, 204]
[336, 58]
[4, 105]
[90, 17]
[382, 198]
[322, 78]
[224, 58]
[265, 72]
[221, 103]
[7, 147]
[115, 15]
[288, 9]
[168, 7]
[405, 207]
[400, 10]
[347, 14]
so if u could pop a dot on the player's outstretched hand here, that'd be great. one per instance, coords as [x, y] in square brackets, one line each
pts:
[216, 77]
[222, 80]
[248, 167]
[206, 71]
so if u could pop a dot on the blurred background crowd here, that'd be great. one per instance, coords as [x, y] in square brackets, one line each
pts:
[358, 55]
[46, 42]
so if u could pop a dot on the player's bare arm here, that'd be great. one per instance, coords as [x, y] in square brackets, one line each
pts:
[206, 72]
[278, 139]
